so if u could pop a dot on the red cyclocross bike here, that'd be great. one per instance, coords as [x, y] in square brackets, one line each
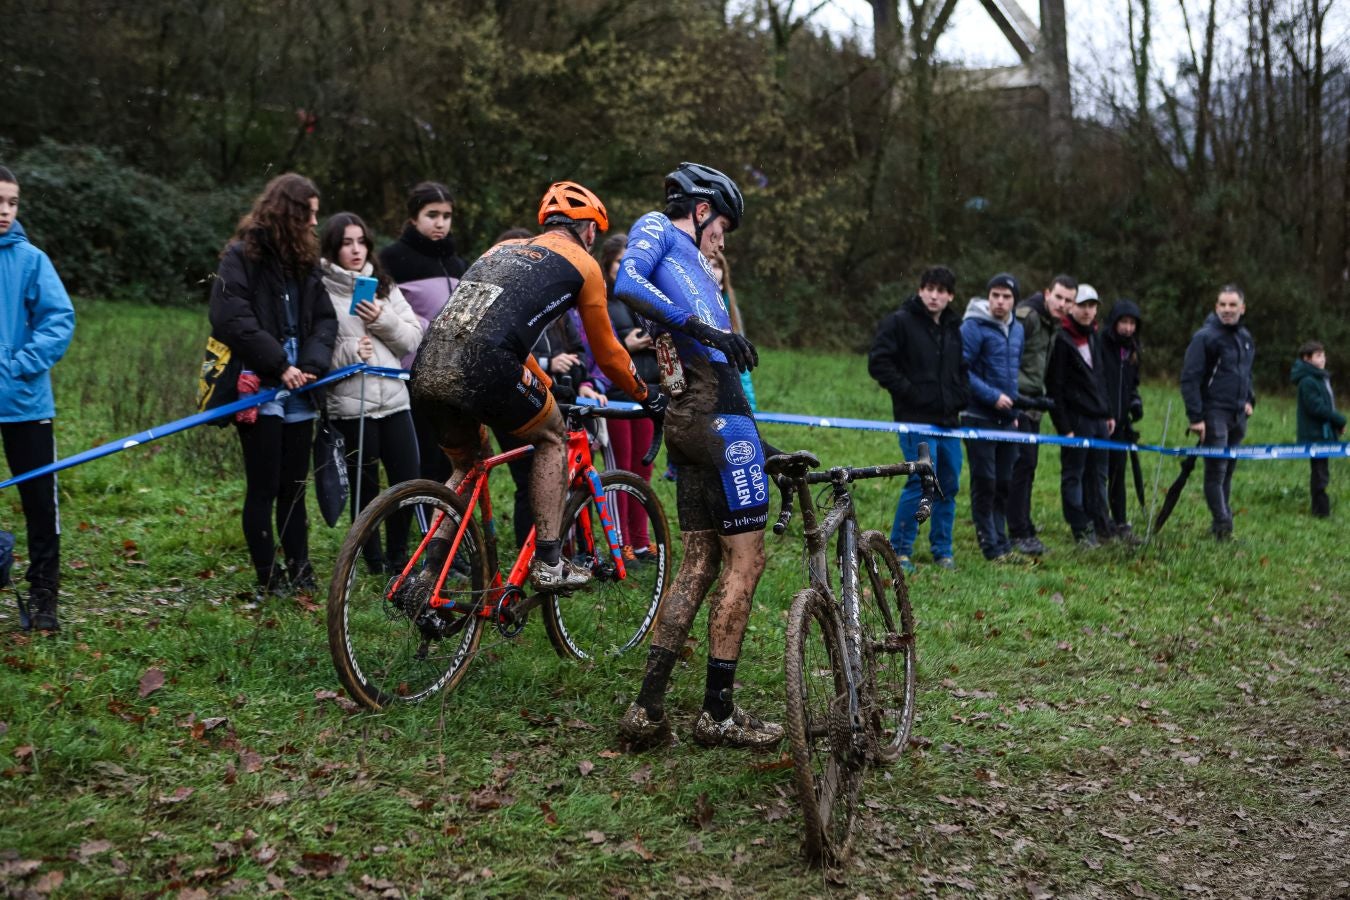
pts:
[405, 632]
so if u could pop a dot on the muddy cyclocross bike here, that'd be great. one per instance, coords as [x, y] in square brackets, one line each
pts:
[409, 630]
[850, 655]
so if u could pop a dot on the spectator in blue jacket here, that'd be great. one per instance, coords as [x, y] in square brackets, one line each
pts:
[36, 324]
[991, 343]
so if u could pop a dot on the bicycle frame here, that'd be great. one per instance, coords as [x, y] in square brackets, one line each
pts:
[502, 593]
[840, 520]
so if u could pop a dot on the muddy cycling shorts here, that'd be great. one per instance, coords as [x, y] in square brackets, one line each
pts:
[473, 386]
[714, 444]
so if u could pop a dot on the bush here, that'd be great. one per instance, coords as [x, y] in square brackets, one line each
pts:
[113, 230]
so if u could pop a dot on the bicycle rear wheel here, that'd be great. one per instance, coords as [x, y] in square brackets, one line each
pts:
[391, 646]
[611, 615]
[888, 647]
[827, 770]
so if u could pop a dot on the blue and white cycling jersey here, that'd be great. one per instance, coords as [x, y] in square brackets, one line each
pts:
[665, 279]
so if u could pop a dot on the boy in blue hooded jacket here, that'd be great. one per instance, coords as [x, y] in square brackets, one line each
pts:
[36, 324]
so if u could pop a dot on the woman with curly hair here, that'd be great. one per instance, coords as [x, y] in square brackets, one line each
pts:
[269, 306]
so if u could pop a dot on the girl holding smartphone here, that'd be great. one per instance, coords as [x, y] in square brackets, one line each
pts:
[379, 331]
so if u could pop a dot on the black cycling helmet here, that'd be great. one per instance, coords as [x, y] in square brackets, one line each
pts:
[698, 182]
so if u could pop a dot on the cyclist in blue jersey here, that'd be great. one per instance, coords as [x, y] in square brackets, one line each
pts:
[722, 494]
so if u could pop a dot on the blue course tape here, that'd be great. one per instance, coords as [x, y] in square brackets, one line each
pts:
[1255, 451]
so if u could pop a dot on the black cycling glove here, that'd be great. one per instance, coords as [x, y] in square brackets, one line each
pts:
[656, 401]
[738, 351]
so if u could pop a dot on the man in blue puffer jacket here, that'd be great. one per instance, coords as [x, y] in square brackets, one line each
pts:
[36, 323]
[991, 342]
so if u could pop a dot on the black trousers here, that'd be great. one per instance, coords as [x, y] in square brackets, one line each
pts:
[1318, 482]
[1222, 430]
[276, 467]
[1118, 476]
[391, 440]
[991, 465]
[28, 446]
[1082, 483]
[522, 515]
[432, 461]
[1020, 525]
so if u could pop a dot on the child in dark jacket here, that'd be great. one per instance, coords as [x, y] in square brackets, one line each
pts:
[1318, 420]
[1120, 349]
[1076, 379]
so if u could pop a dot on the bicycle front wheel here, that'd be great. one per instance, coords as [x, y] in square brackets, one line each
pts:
[611, 615]
[888, 647]
[387, 642]
[827, 771]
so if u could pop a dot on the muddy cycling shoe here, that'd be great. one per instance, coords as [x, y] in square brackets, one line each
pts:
[740, 729]
[565, 575]
[639, 731]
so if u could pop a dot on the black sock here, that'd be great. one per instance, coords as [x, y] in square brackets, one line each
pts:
[548, 552]
[717, 693]
[652, 696]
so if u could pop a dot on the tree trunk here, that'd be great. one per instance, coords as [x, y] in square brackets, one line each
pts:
[1054, 36]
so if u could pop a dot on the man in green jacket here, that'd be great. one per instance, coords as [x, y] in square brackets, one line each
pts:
[1318, 420]
[1040, 315]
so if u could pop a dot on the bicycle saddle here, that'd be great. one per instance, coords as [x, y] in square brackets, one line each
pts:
[791, 465]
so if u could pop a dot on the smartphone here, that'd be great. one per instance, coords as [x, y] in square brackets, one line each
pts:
[364, 290]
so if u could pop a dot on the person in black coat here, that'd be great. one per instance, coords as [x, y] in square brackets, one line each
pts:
[1076, 379]
[269, 306]
[1120, 349]
[1216, 386]
[916, 356]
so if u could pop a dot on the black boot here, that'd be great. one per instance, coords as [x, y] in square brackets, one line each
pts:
[302, 576]
[42, 609]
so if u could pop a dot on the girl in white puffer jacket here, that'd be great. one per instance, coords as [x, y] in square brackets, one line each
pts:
[380, 333]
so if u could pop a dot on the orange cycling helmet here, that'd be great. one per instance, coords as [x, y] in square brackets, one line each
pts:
[572, 201]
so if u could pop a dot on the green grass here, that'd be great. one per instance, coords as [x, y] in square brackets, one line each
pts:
[1105, 723]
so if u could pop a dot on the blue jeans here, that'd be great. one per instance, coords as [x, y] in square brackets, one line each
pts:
[946, 454]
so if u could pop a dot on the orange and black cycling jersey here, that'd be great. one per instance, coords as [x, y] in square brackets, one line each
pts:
[509, 296]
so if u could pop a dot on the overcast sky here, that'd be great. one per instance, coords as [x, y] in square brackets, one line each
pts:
[1097, 34]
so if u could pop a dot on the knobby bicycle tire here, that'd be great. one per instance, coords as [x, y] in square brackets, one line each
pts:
[827, 771]
[391, 647]
[889, 656]
[610, 616]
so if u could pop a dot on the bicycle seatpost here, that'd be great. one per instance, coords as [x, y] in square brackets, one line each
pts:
[923, 467]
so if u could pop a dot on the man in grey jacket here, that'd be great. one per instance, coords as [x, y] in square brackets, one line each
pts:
[1216, 386]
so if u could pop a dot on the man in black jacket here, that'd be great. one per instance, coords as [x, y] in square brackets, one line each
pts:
[1076, 379]
[1216, 386]
[916, 355]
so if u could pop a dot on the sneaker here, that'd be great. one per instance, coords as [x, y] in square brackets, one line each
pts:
[740, 729]
[1125, 534]
[564, 576]
[1088, 541]
[302, 576]
[907, 565]
[639, 731]
[1009, 558]
[42, 610]
[1031, 546]
[946, 562]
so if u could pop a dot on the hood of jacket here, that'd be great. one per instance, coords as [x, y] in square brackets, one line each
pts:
[1303, 369]
[1036, 303]
[978, 309]
[445, 247]
[15, 235]
[342, 281]
[1122, 308]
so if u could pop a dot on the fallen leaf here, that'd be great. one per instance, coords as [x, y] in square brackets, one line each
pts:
[635, 846]
[23, 752]
[550, 817]
[49, 881]
[943, 828]
[178, 796]
[250, 761]
[642, 775]
[703, 811]
[151, 681]
[609, 754]
[1093, 864]
[585, 767]
[596, 837]
[93, 848]
[1036, 892]
[1119, 838]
